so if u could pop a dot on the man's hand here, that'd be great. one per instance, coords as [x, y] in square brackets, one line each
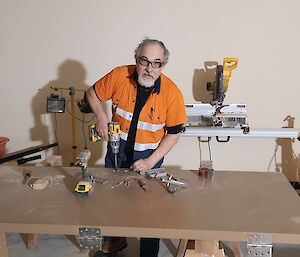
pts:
[141, 165]
[102, 126]
[101, 117]
[164, 147]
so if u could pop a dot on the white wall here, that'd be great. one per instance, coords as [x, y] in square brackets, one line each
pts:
[86, 39]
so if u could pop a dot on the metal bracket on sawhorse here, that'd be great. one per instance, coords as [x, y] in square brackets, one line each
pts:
[90, 238]
[259, 245]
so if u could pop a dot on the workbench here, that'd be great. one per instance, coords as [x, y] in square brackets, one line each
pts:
[228, 207]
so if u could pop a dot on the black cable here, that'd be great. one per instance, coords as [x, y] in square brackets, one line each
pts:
[77, 117]
[55, 132]
[83, 122]
[209, 150]
[273, 157]
[84, 136]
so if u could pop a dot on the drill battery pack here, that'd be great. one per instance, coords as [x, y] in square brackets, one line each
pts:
[93, 134]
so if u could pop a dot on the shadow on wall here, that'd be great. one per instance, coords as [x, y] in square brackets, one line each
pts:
[201, 79]
[71, 73]
[289, 165]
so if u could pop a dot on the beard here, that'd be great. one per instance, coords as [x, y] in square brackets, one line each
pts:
[145, 81]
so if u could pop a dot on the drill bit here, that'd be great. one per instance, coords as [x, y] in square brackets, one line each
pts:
[116, 162]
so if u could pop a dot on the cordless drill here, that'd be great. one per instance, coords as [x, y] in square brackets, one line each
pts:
[114, 140]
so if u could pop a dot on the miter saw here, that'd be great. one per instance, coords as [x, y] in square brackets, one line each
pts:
[215, 114]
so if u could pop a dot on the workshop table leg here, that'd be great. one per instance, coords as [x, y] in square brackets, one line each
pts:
[236, 248]
[205, 249]
[3, 246]
[181, 247]
[31, 241]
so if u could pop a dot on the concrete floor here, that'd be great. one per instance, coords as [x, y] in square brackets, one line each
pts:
[65, 246]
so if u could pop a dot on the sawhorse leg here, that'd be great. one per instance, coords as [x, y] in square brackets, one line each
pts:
[202, 249]
[181, 247]
[3, 246]
[236, 248]
[31, 241]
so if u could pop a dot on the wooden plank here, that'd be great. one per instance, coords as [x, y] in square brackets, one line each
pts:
[209, 248]
[236, 249]
[206, 247]
[181, 248]
[201, 212]
[31, 241]
[193, 253]
[3, 247]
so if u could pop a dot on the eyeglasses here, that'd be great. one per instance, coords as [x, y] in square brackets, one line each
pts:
[155, 65]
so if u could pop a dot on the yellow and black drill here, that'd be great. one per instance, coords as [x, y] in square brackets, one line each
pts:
[113, 138]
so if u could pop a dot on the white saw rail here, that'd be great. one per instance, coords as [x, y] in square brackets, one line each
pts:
[237, 132]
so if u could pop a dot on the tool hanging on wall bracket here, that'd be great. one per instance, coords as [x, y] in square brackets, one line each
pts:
[215, 113]
[114, 132]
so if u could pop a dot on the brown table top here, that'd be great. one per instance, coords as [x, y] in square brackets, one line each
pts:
[229, 207]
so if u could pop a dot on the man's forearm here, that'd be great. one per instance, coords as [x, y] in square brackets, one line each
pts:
[98, 109]
[94, 102]
[166, 144]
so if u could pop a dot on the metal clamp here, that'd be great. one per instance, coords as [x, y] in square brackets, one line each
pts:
[90, 238]
[154, 173]
[259, 245]
[171, 181]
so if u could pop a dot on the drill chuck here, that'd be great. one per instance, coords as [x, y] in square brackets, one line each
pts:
[115, 145]
[114, 139]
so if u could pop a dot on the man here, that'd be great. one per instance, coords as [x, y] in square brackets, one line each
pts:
[150, 110]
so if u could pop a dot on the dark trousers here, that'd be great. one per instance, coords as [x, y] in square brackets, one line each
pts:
[149, 247]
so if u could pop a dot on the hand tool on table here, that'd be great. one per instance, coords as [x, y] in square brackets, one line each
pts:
[85, 185]
[168, 181]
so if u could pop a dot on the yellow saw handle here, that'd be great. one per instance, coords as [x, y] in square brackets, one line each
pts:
[229, 64]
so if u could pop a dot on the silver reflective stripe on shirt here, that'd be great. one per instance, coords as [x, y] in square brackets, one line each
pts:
[141, 124]
[123, 113]
[149, 126]
[140, 147]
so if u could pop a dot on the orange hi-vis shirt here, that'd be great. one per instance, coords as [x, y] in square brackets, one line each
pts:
[164, 108]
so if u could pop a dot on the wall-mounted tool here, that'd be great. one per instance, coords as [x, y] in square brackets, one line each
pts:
[215, 113]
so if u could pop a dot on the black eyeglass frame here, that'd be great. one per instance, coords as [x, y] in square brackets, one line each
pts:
[144, 62]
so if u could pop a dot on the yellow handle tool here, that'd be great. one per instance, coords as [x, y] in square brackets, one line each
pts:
[114, 132]
[114, 129]
[93, 134]
[229, 64]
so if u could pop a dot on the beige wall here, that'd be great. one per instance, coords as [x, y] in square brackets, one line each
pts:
[73, 43]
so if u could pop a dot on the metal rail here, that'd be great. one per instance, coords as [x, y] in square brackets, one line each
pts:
[237, 132]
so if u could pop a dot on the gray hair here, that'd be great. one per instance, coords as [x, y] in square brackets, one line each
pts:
[148, 41]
